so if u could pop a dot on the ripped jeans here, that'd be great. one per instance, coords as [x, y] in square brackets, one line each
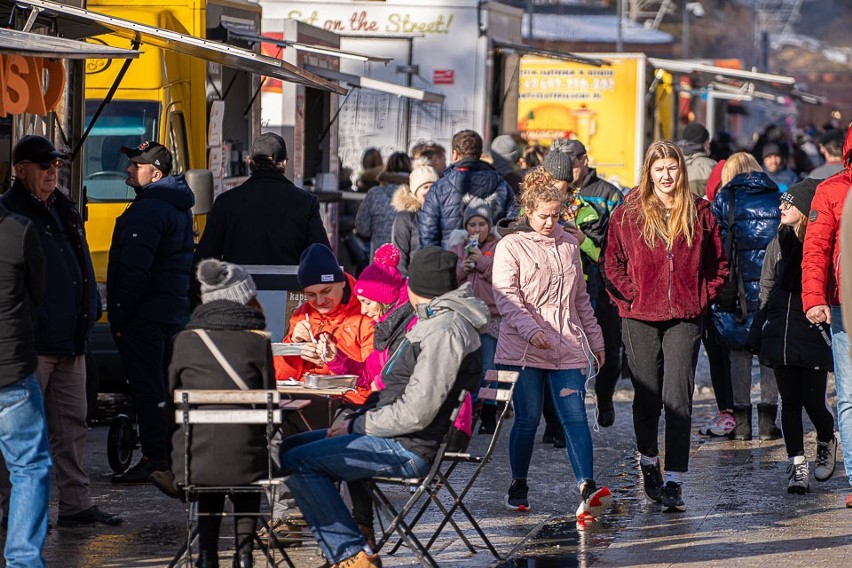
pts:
[568, 387]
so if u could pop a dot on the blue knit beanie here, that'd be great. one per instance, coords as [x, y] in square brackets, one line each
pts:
[318, 265]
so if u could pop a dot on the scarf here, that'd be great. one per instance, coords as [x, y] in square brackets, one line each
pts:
[226, 315]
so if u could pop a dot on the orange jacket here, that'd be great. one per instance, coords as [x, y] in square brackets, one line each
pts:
[821, 257]
[351, 332]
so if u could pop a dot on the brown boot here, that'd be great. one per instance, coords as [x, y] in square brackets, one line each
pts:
[360, 560]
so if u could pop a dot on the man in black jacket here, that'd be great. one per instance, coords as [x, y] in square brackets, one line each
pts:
[148, 275]
[267, 219]
[23, 432]
[69, 310]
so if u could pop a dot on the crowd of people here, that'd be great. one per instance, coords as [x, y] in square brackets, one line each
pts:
[511, 258]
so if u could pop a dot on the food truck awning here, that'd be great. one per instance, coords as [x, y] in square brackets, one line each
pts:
[38, 45]
[688, 67]
[356, 81]
[302, 46]
[208, 50]
[530, 50]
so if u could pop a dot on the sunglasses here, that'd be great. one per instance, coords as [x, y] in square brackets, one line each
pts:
[785, 205]
[56, 163]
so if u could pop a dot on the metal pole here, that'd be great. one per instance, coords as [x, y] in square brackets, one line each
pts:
[684, 47]
[754, 34]
[529, 22]
[619, 11]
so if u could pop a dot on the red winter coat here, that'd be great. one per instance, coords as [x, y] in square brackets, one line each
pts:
[655, 284]
[821, 260]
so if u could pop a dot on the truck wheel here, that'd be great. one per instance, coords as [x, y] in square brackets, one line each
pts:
[121, 442]
[93, 383]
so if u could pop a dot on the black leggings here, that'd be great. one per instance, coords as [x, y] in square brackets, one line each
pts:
[802, 388]
[246, 507]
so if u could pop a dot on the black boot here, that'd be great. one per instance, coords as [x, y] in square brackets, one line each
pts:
[766, 415]
[606, 411]
[207, 560]
[243, 559]
[742, 431]
[488, 419]
[550, 431]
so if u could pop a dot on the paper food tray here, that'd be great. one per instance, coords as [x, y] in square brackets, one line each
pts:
[288, 349]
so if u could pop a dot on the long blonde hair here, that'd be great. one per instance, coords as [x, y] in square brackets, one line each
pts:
[683, 213]
[739, 163]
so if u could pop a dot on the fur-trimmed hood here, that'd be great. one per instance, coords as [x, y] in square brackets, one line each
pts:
[403, 201]
[395, 178]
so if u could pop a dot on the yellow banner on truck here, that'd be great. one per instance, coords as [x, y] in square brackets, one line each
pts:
[603, 107]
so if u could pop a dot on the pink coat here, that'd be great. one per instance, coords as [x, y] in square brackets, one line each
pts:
[539, 286]
[480, 278]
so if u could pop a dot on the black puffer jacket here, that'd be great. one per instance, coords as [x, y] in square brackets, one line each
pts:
[150, 258]
[222, 454]
[71, 303]
[781, 334]
[21, 286]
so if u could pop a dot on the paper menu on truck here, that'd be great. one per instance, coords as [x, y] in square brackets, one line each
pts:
[603, 107]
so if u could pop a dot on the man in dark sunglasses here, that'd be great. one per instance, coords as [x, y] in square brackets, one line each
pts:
[69, 310]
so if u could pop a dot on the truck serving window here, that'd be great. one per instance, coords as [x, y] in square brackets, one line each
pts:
[122, 123]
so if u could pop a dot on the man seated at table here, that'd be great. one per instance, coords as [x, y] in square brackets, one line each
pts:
[332, 309]
[400, 436]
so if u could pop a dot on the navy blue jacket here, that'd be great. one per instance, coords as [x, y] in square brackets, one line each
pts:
[71, 303]
[150, 258]
[756, 220]
[443, 210]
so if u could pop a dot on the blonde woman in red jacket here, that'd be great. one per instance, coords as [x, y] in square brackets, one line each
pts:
[662, 265]
[548, 334]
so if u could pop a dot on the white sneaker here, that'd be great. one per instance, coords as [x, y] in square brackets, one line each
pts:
[720, 425]
[798, 474]
[826, 459]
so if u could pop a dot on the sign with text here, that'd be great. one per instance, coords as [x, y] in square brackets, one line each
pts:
[600, 106]
[443, 76]
[30, 84]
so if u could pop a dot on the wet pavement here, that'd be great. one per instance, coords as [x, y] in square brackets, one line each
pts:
[739, 513]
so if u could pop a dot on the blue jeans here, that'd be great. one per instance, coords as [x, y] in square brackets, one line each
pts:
[315, 466]
[843, 385]
[568, 388]
[23, 441]
[489, 349]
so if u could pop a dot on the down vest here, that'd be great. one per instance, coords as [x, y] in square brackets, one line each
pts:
[443, 210]
[781, 334]
[821, 263]
[658, 284]
[539, 286]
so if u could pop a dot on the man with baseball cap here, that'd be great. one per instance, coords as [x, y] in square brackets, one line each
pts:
[267, 219]
[150, 261]
[695, 145]
[604, 197]
[66, 315]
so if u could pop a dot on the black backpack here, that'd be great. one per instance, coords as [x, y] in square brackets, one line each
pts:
[732, 297]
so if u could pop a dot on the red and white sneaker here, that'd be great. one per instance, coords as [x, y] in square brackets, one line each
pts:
[595, 501]
[586, 521]
[720, 425]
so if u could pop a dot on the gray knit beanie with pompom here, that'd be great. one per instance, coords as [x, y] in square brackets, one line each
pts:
[225, 281]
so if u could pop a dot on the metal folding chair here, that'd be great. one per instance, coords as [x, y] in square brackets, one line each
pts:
[499, 388]
[421, 486]
[254, 407]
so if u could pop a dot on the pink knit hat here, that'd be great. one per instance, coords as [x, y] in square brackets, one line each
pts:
[381, 281]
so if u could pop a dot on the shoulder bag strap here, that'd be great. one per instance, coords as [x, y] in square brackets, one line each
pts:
[221, 359]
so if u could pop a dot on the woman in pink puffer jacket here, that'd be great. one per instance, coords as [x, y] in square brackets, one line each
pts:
[548, 334]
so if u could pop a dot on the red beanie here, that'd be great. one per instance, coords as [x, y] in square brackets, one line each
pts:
[714, 182]
[381, 281]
